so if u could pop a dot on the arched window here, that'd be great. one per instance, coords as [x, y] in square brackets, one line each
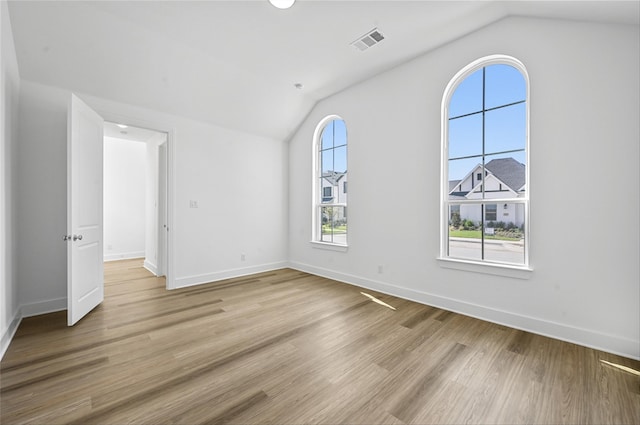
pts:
[330, 182]
[485, 163]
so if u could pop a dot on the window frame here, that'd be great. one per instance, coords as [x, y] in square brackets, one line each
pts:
[483, 266]
[317, 190]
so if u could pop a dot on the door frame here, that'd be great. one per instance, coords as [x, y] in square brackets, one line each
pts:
[161, 127]
[163, 206]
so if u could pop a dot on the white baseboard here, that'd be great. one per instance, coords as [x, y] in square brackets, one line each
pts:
[183, 282]
[44, 307]
[588, 338]
[123, 256]
[7, 336]
[151, 267]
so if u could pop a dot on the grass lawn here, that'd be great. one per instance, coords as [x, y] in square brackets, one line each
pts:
[477, 234]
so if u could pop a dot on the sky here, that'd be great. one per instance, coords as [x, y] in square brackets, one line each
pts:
[504, 128]
[334, 135]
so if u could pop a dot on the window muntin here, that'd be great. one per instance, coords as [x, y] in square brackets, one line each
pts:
[485, 142]
[330, 217]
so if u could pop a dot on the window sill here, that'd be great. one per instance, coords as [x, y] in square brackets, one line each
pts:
[329, 246]
[518, 272]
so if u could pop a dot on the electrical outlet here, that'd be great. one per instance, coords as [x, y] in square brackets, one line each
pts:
[193, 204]
[380, 269]
[243, 257]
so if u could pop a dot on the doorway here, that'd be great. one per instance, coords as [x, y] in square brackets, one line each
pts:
[135, 195]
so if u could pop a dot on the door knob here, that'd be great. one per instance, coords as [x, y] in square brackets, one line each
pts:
[66, 237]
[77, 237]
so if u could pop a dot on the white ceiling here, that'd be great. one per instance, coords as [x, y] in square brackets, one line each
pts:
[235, 63]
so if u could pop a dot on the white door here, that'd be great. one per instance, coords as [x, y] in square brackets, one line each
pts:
[85, 279]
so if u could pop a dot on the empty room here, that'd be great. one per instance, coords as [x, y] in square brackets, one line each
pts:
[339, 212]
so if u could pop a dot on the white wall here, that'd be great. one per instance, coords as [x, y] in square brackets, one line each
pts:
[42, 199]
[238, 179]
[584, 110]
[239, 184]
[9, 99]
[125, 175]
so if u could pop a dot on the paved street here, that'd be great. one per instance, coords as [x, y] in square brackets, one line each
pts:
[495, 250]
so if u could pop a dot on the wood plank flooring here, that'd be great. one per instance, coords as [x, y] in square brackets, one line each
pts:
[286, 347]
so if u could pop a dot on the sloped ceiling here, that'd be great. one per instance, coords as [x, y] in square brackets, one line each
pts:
[235, 63]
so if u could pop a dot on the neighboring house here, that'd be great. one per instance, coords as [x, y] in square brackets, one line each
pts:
[334, 191]
[503, 178]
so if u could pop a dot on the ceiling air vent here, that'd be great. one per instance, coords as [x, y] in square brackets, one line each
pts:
[370, 39]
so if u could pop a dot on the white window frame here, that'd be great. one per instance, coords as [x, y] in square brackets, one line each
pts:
[483, 266]
[316, 220]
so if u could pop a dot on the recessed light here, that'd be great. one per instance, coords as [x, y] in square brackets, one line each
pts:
[282, 4]
[122, 125]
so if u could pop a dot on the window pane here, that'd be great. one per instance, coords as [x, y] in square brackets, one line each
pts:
[327, 136]
[340, 133]
[340, 159]
[465, 136]
[504, 237]
[454, 216]
[465, 239]
[334, 225]
[520, 156]
[504, 84]
[468, 96]
[339, 195]
[326, 191]
[462, 176]
[327, 162]
[507, 175]
[505, 129]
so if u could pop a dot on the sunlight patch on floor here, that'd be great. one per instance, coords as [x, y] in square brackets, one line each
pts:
[621, 367]
[375, 300]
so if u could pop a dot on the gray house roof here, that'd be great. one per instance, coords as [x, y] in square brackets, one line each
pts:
[333, 177]
[509, 171]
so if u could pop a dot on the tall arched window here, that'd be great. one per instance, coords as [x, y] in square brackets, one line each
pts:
[485, 163]
[330, 182]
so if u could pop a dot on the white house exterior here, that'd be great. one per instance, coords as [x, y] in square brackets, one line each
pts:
[503, 178]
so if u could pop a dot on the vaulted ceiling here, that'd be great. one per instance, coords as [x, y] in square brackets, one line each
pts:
[236, 63]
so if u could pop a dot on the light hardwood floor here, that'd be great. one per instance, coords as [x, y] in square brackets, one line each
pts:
[286, 347]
